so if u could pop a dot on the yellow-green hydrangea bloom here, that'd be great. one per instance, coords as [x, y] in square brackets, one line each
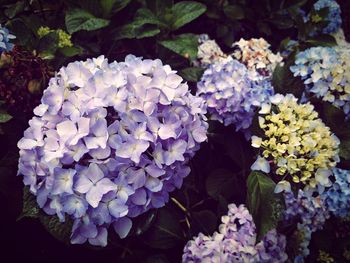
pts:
[296, 144]
[324, 257]
[64, 39]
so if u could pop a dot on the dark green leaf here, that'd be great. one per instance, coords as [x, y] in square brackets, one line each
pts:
[14, 9]
[48, 43]
[166, 231]
[59, 230]
[185, 12]
[18, 28]
[262, 203]
[344, 149]
[4, 117]
[71, 51]
[113, 6]
[335, 119]
[206, 220]
[157, 259]
[79, 19]
[234, 12]
[30, 207]
[143, 222]
[191, 74]
[282, 22]
[220, 182]
[185, 45]
[322, 40]
[284, 82]
[136, 31]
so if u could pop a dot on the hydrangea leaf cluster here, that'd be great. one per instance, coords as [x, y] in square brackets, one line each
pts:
[256, 54]
[337, 197]
[310, 213]
[233, 93]
[209, 52]
[5, 38]
[333, 17]
[236, 242]
[64, 39]
[326, 74]
[296, 143]
[109, 142]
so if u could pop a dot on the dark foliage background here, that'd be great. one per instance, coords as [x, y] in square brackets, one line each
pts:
[148, 28]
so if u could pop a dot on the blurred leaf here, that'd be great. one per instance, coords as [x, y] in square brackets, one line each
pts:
[284, 82]
[234, 12]
[335, 119]
[282, 22]
[59, 230]
[262, 202]
[322, 40]
[185, 45]
[264, 28]
[79, 19]
[113, 6]
[220, 182]
[71, 51]
[48, 43]
[191, 74]
[143, 222]
[185, 12]
[293, 3]
[4, 117]
[344, 149]
[14, 9]
[166, 231]
[206, 220]
[19, 28]
[30, 207]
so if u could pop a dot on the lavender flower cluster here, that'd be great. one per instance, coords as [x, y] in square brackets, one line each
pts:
[337, 197]
[5, 38]
[333, 18]
[310, 213]
[233, 93]
[109, 142]
[236, 242]
[326, 74]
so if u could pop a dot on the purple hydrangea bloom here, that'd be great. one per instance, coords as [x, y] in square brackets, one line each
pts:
[5, 38]
[337, 197]
[310, 213]
[233, 93]
[236, 242]
[110, 141]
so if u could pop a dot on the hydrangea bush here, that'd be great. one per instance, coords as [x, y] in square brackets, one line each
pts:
[296, 145]
[233, 93]
[109, 141]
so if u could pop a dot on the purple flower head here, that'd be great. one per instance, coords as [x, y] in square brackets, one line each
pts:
[233, 94]
[109, 142]
[236, 242]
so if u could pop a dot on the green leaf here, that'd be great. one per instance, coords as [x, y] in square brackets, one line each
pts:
[14, 9]
[18, 28]
[185, 45]
[30, 207]
[79, 19]
[263, 204]
[59, 230]
[234, 12]
[344, 149]
[206, 220]
[166, 230]
[48, 43]
[71, 51]
[4, 117]
[192, 74]
[284, 82]
[322, 40]
[220, 182]
[186, 11]
[113, 6]
[143, 222]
